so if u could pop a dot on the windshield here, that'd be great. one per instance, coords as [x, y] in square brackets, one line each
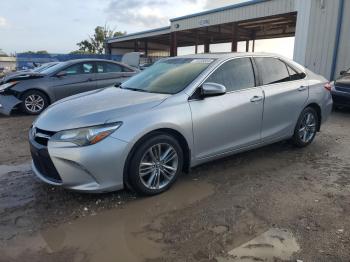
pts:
[43, 67]
[167, 76]
[53, 69]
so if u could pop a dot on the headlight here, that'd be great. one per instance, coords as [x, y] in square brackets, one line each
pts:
[87, 135]
[7, 85]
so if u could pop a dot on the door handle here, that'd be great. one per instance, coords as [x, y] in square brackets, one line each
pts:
[302, 88]
[256, 99]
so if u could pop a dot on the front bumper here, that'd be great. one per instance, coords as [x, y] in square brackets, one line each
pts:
[8, 103]
[95, 168]
[341, 98]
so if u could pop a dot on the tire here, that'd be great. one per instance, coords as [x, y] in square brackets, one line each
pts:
[156, 174]
[34, 102]
[306, 128]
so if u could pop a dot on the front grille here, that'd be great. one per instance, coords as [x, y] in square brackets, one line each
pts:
[44, 164]
[342, 87]
[41, 158]
[42, 136]
[341, 100]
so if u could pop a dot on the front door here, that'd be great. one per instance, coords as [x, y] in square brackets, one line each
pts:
[78, 78]
[230, 121]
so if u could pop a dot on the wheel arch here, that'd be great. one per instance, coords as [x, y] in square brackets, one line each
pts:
[49, 99]
[318, 110]
[169, 131]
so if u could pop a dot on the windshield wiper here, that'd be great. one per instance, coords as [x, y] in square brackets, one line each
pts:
[135, 89]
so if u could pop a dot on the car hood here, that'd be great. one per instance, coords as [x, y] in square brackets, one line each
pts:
[343, 81]
[96, 107]
[22, 76]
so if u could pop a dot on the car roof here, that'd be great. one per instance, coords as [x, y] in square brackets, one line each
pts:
[90, 60]
[228, 55]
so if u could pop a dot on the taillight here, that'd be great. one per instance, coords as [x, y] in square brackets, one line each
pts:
[328, 86]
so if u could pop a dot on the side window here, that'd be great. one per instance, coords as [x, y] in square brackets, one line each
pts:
[272, 70]
[105, 67]
[99, 67]
[126, 69]
[113, 68]
[294, 75]
[235, 74]
[81, 68]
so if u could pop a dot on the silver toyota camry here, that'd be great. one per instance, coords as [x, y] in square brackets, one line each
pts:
[179, 113]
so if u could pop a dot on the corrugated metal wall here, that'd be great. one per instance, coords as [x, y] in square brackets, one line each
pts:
[302, 30]
[322, 34]
[267, 8]
[343, 59]
[316, 36]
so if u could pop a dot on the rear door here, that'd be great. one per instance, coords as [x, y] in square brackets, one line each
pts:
[230, 121]
[286, 93]
[78, 78]
[110, 74]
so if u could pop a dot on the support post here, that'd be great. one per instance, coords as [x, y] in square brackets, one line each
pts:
[196, 45]
[253, 37]
[247, 46]
[173, 44]
[108, 49]
[234, 38]
[146, 47]
[136, 46]
[206, 47]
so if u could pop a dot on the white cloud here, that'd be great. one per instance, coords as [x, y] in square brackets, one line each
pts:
[218, 3]
[146, 13]
[3, 21]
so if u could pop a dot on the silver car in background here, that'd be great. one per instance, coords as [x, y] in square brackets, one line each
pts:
[179, 113]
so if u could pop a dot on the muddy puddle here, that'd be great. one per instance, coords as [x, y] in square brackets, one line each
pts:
[130, 233]
[274, 243]
[4, 169]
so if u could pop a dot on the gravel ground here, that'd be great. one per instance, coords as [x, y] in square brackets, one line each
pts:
[217, 207]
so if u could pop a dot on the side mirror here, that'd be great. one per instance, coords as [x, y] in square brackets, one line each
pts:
[342, 72]
[213, 89]
[61, 74]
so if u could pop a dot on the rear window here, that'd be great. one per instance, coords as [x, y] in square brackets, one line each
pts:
[294, 75]
[272, 70]
[105, 67]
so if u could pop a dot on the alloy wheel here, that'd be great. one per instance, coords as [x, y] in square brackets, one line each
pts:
[34, 103]
[307, 128]
[158, 166]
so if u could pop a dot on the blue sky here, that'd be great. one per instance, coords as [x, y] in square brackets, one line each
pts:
[57, 25]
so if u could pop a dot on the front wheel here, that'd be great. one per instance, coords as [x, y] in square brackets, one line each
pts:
[306, 128]
[155, 165]
[34, 102]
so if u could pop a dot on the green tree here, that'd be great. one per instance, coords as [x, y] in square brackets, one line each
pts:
[95, 44]
[37, 52]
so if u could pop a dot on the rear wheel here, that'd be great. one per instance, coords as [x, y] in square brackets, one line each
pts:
[306, 128]
[155, 165]
[34, 102]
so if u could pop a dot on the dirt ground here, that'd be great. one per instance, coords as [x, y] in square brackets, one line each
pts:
[211, 214]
